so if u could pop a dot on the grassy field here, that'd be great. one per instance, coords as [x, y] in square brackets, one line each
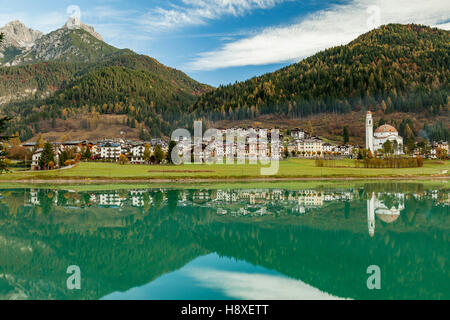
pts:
[288, 169]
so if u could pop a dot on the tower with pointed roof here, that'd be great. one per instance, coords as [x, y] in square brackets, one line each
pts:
[371, 214]
[369, 132]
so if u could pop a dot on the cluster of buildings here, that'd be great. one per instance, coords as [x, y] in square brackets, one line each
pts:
[306, 146]
[104, 150]
[234, 143]
[245, 144]
[257, 142]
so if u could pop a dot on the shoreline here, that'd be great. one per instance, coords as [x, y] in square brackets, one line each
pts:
[219, 180]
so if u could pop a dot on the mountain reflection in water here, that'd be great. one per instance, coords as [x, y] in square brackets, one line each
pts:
[226, 244]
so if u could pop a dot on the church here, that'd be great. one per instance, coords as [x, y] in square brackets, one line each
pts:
[376, 140]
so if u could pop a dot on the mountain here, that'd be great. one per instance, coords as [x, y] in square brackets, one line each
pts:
[395, 68]
[71, 79]
[18, 38]
[75, 23]
[74, 42]
[72, 73]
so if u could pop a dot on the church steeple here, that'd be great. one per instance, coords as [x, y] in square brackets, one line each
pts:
[369, 132]
[371, 214]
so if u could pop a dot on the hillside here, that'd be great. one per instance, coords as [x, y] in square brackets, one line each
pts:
[71, 74]
[74, 42]
[75, 82]
[330, 126]
[396, 68]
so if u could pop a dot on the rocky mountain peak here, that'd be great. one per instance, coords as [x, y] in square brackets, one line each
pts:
[24, 46]
[20, 36]
[75, 23]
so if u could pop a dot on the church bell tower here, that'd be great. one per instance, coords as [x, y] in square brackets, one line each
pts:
[369, 131]
[371, 214]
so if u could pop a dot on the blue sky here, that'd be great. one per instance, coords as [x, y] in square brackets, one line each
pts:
[222, 41]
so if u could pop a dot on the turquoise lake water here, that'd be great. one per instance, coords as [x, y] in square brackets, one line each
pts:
[214, 243]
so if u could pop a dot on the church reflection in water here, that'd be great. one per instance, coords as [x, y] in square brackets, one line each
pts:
[386, 206]
[376, 206]
[322, 237]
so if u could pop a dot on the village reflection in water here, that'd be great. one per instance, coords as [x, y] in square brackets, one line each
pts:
[386, 206]
[164, 243]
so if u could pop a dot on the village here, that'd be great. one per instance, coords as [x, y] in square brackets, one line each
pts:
[246, 144]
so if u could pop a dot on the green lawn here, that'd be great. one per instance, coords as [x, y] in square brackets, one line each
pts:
[288, 169]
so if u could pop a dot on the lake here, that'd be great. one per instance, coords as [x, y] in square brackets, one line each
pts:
[299, 242]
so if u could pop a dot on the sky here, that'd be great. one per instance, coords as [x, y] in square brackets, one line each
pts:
[223, 41]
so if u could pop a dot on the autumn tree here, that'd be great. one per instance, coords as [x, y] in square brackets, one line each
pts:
[441, 153]
[310, 128]
[3, 139]
[15, 141]
[18, 153]
[158, 154]
[123, 159]
[423, 147]
[47, 156]
[147, 153]
[40, 142]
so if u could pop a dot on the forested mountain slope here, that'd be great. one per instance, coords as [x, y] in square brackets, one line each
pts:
[403, 68]
[395, 69]
[72, 73]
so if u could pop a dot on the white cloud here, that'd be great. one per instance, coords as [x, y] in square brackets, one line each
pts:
[198, 12]
[254, 286]
[331, 27]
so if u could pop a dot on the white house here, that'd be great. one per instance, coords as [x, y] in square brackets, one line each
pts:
[35, 159]
[110, 151]
[327, 147]
[346, 150]
[298, 134]
[37, 156]
[137, 154]
[312, 147]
